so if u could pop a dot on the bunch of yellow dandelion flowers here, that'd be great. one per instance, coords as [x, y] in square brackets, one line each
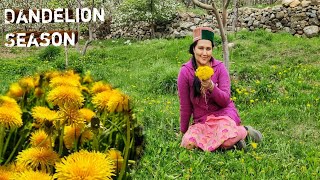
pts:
[15, 91]
[42, 114]
[85, 165]
[116, 157]
[204, 72]
[10, 113]
[38, 158]
[32, 175]
[40, 138]
[65, 80]
[73, 133]
[65, 96]
[99, 87]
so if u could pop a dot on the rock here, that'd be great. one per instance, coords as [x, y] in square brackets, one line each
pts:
[186, 25]
[280, 15]
[305, 3]
[315, 2]
[295, 3]
[286, 3]
[311, 31]
[196, 20]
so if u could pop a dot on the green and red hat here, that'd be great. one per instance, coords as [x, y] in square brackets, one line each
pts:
[203, 33]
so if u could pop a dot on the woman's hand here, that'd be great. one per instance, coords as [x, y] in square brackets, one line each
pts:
[207, 85]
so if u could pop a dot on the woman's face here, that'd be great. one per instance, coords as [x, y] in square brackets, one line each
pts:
[203, 52]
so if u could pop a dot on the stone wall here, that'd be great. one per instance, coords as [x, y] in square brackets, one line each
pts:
[295, 17]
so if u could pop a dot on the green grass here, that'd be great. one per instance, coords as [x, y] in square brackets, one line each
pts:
[275, 85]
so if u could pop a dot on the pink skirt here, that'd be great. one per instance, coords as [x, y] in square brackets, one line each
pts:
[220, 131]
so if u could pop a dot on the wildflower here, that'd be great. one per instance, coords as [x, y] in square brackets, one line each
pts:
[254, 145]
[251, 101]
[87, 114]
[100, 100]
[27, 83]
[65, 95]
[64, 81]
[5, 173]
[116, 157]
[308, 105]
[99, 87]
[204, 72]
[115, 100]
[15, 91]
[85, 165]
[42, 114]
[40, 138]
[38, 158]
[34, 175]
[72, 134]
[6, 101]
[70, 115]
[9, 118]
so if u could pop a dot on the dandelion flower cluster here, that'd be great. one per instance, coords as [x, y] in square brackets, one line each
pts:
[111, 101]
[27, 83]
[204, 72]
[85, 165]
[39, 158]
[64, 81]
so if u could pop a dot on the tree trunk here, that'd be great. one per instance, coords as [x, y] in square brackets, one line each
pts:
[235, 15]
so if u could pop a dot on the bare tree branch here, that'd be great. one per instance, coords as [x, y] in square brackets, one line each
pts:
[202, 5]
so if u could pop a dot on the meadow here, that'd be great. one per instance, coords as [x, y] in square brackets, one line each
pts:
[275, 85]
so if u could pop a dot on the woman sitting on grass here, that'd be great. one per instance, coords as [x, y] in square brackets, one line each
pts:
[204, 94]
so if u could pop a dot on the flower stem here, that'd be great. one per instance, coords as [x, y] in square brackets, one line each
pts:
[7, 142]
[14, 150]
[127, 147]
[2, 134]
[61, 141]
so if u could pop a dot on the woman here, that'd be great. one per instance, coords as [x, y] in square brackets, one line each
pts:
[216, 122]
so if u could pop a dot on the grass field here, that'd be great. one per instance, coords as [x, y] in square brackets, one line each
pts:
[275, 85]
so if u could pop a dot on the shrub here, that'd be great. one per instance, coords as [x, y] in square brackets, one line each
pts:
[50, 53]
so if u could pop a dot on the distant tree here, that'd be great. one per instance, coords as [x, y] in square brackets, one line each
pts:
[222, 23]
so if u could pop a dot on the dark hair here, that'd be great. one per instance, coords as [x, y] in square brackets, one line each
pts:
[196, 80]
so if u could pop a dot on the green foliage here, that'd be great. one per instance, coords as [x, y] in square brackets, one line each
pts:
[50, 53]
[154, 11]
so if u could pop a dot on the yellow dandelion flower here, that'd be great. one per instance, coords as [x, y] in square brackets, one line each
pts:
[15, 91]
[204, 72]
[100, 100]
[71, 74]
[65, 95]
[64, 81]
[87, 78]
[34, 175]
[70, 115]
[254, 145]
[72, 134]
[99, 87]
[5, 173]
[10, 118]
[85, 165]
[115, 155]
[17, 167]
[41, 114]
[27, 82]
[38, 92]
[115, 101]
[40, 138]
[251, 101]
[51, 74]
[87, 114]
[36, 80]
[85, 89]
[38, 158]
[6, 101]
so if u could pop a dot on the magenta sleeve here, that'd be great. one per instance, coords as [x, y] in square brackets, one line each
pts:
[184, 99]
[221, 91]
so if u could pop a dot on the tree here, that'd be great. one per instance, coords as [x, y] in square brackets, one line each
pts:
[222, 23]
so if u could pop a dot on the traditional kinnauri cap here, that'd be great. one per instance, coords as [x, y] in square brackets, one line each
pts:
[203, 33]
